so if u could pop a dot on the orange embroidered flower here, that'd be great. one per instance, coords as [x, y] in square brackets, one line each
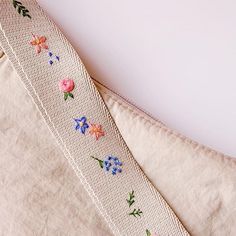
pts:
[96, 130]
[39, 43]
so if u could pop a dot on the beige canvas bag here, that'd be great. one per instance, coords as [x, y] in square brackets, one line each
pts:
[188, 175]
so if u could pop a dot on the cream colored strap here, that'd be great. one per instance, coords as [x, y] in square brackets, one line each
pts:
[60, 86]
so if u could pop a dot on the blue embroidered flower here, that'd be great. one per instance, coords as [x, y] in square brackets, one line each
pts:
[113, 164]
[81, 124]
[110, 163]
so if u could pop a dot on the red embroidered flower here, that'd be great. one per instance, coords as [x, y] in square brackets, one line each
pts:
[39, 43]
[96, 130]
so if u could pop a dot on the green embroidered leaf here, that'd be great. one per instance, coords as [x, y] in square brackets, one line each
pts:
[148, 232]
[27, 15]
[100, 162]
[25, 12]
[131, 200]
[71, 95]
[15, 3]
[136, 212]
[66, 96]
[21, 9]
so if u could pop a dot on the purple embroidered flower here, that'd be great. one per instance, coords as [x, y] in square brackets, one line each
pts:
[81, 124]
[52, 58]
[110, 163]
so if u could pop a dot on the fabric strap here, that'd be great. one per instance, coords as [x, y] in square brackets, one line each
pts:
[41, 65]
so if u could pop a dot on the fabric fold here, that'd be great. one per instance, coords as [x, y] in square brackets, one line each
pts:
[81, 123]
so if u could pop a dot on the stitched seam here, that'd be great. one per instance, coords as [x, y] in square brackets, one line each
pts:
[66, 151]
[167, 130]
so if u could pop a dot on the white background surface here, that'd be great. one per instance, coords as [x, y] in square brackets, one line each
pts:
[174, 59]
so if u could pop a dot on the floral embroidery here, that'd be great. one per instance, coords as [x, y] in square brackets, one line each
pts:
[22, 10]
[52, 58]
[81, 124]
[113, 164]
[110, 163]
[39, 43]
[66, 86]
[131, 201]
[96, 130]
[149, 233]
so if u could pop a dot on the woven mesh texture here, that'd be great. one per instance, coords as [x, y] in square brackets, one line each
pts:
[108, 192]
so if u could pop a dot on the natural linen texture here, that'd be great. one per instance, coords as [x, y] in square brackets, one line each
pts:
[39, 194]
[198, 183]
[41, 80]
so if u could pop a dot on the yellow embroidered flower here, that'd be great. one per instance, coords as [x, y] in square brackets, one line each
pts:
[96, 130]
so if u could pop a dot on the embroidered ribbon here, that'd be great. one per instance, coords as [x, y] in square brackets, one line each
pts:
[81, 123]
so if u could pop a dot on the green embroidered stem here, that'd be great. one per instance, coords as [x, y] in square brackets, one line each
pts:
[136, 212]
[148, 232]
[131, 201]
[71, 95]
[65, 96]
[131, 198]
[22, 10]
[68, 94]
[99, 161]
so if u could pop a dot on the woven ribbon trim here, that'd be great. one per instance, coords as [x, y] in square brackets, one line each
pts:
[42, 58]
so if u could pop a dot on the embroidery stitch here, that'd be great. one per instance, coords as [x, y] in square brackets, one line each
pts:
[99, 161]
[52, 58]
[81, 124]
[66, 86]
[22, 10]
[96, 130]
[131, 200]
[39, 43]
[110, 163]
[136, 212]
[149, 233]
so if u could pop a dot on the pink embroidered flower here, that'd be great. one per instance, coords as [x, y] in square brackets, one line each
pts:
[39, 43]
[96, 130]
[66, 86]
